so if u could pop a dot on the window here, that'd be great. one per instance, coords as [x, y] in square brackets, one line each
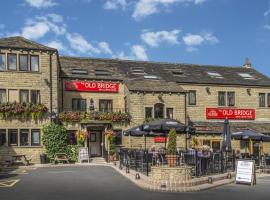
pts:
[159, 110]
[105, 106]
[79, 71]
[2, 61]
[268, 99]
[13, 137]
[23, 62]
[72, 137]
[13, 96]
[246, 76]
[244, 144]
[117, 137]
[207, 142]
[192, 97]
[3, 96]
[222, 98]
[261, 99]
[3, 138]
[24, 137]
[35, 137]
[148, 112]
[78, 104]
[169, 112]
[35, 63]
[150, 77]
[12, 61]
[24, 96]
[231, 98]
[216, 145]
[35, 96]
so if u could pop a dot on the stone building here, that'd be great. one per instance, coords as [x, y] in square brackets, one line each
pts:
[100, 94]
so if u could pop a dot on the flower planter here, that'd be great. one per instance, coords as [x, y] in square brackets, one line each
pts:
[171, 159]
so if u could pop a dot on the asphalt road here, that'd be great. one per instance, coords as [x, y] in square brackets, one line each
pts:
[102, 183]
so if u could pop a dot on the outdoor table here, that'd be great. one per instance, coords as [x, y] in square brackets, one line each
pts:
[20, 158]
[60, 157]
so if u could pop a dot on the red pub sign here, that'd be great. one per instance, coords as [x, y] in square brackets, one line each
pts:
[160, 139]
[230, 113]
[91, 86]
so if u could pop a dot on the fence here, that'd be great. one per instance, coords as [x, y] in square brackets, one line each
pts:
[202, 164]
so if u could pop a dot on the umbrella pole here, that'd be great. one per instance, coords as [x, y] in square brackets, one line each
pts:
[145, 142]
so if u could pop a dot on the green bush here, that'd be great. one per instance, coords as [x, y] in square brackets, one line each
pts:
[172, 142]
[55, 140]
[73, 152]
[112, 149]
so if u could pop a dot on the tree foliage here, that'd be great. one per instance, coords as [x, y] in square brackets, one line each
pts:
[172, 142]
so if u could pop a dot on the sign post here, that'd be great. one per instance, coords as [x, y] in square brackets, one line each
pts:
[83, 154]
[245, 172]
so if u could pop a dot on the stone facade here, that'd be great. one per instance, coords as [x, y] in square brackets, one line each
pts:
[27, 80]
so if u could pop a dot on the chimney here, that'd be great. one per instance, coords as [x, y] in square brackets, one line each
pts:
[247, 63]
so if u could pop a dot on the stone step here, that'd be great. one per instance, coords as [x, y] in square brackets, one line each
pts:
[98, 160]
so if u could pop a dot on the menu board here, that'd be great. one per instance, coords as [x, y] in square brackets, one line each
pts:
[83, 154]
[245, 172]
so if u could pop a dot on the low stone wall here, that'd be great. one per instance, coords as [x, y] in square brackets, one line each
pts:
[172, 174]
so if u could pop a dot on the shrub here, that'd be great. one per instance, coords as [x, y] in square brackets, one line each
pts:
[55, 139]
[73, 152]
[172, 142]
[112, 149]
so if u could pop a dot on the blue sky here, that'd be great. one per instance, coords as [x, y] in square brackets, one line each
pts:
[216, 32]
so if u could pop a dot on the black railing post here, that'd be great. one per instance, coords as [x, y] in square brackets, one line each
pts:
[147, 167]
[196, 163]
[221, 161]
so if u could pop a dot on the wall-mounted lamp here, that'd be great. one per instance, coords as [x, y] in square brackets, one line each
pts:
[160, 97]
[208, 90]
[249, 91]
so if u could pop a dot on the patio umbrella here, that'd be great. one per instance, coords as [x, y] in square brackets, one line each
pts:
[226, 143]
[164, 125]
[135, 131]
[250, 135]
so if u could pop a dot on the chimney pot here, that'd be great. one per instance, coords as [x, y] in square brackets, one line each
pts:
[247, 63]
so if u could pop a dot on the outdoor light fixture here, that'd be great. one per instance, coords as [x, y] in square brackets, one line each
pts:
[249, 91]
[208, 90]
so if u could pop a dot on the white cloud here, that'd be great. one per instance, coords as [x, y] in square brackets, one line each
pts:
[267, 26]
[115, 4]
[79, 43]
[104, 47]
[41, 3]
[266, 13]
[144, 8]
[39, 26]
[56, 44]
[137, 52]
[154, 39]
[198, 39]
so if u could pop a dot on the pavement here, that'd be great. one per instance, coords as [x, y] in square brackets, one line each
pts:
[103, 182]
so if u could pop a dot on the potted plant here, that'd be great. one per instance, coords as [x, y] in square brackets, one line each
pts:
[171, 157]
[194, 142]
[81, 136]
[112, 152]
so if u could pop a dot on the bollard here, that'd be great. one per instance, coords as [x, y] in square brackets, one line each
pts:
[137, 176]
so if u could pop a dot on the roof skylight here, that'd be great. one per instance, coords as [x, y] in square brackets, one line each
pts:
[246, 76]
[137, 70]
[151, 77]
[79, 71]
[215, 75]
[102, 72]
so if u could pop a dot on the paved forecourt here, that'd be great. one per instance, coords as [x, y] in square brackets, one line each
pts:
[101, 182]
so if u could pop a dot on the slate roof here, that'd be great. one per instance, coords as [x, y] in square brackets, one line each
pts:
[168, 72]
[19, 42]
[217, 127]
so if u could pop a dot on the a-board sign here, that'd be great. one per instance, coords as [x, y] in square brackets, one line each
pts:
[83, 154]
[245, 172]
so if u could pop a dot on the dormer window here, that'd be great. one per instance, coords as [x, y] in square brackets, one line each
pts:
[246, 76]
[215, 75]
[79, 71]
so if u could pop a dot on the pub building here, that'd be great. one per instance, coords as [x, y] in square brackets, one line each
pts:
[98, 95]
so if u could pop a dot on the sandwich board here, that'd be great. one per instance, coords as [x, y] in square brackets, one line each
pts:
[245, 172]
[83, 154]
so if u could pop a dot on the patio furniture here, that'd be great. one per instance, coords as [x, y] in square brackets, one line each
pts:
[60, 157]
[21, 159]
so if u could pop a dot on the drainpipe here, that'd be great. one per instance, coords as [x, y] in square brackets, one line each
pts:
[186, 134]
[51, 92]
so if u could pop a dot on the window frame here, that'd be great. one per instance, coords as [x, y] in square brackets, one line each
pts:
[263, 99]
[228, 98]
[31, 69]
[27, 56]
[39, 133]
[8, 67]
[5, 91]
[190, 103]
[268, 100]
[145, 112]
[20, 96]
[9, 137]
[38, 96]
[20, 138]
[155, 112]
[167, 113]
[5, 63]
[78, 100]
[219, 98]
[105, 100]
[3, 136]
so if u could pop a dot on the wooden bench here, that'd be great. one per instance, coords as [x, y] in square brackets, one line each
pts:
[60, 157]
